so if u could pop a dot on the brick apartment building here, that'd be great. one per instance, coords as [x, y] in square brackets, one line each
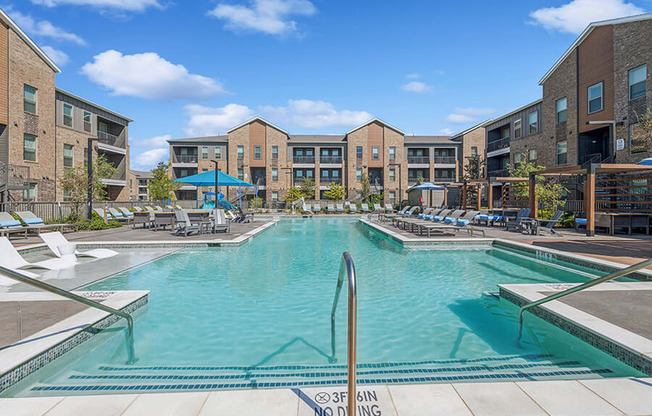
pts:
[44, 130]
[264, 154]
[138, 185]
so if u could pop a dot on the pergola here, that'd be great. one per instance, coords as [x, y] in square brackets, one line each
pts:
[505, 196]
[589, 172]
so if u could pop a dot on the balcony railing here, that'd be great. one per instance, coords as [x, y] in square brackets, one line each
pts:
[413, 181]
[303, 159]
[330, 159]
[498, 144]
[323, 181]
[110, 139]
[13, 176]
[498, 173]
[419, 159]
[260, 181]
[445, 160]
[185, 158]
[439, 178]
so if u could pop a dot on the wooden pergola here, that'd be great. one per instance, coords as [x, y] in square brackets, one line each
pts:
[589, 172]
[504, 180]
[466, 188]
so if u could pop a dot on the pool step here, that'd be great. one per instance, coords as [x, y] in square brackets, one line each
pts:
[150, 378]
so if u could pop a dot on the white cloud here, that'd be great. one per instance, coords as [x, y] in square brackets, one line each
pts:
[468, 115]
[314, 114]
[417, 86]
[147, 75]
[206, 121]
[446, 131]
[42, 28]
[149, 159]
[575, 16]
[126, 5]
[272, 17]
[158, 141]
[59, 57]
[413, 76]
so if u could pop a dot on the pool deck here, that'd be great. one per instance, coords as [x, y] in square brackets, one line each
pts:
[600, 397]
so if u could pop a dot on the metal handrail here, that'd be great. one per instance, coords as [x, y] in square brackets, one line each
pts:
[347, 266]
[591, 283]
[12, 274]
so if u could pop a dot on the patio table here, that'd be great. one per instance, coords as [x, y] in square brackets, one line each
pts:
[626, 220]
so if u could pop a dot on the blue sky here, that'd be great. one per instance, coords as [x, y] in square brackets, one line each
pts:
[198, 67]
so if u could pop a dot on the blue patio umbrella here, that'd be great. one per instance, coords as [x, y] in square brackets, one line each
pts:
[647, 161]
[209, 179]
[428, 186]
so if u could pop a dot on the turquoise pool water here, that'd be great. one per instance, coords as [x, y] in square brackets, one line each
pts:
[266, 305]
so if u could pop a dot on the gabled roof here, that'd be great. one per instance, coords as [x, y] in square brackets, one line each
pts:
[13, 26]
[205, 139]
[259, 119]
[416, 139]
[374, 121]
[587, 32]
[470, 129]
[92, 104]
[518, 110]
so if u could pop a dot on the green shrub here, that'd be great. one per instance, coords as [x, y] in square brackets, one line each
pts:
[97, 223]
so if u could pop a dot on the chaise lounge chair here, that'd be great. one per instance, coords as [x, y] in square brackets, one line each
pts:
[378, 208]
[58, 244]
[340, 208]
[316, 208]
[463, 223]
[35, 223]
[364, 208]
[11, 259]
[331, 208]
[10, 225]
[117, 215]
[353, 208]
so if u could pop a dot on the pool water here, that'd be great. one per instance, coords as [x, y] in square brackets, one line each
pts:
[265, 306]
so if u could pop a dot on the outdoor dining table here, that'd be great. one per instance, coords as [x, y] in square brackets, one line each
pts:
[202, 217]
[626, 220]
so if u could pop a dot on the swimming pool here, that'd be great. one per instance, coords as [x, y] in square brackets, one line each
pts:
[258, 316]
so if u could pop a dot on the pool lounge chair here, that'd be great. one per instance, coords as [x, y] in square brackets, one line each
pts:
[449, 218]
[364, 208]
[158, 208]
[10, 225]
[389, 208]
[11, 259]
[452, 222]
[138, 209]
[58, 245]
[340, 208]
[516, 223]
[353, 208]
[184, 225]
[117, 215]
[125, 211]
[378, 208]
[331, 208]
[35, 223]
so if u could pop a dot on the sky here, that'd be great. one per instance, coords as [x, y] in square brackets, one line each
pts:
[199, 67]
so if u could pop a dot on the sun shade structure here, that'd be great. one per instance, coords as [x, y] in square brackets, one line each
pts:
[213, 178]
[427, 186]
[646, 162]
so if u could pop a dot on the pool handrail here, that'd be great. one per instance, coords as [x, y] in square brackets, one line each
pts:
[15, 275]
[586, 285]
[346, 265]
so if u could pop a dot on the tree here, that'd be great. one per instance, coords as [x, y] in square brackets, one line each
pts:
[473, 169]
[74, 183]
[643, 131]
[308, 188]
[366, 187]
[293, 194]
[334, 192]
[161, 186]
[550, 191]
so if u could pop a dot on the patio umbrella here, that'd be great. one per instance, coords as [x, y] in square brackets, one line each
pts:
[647, 161]
[209, 179]
[427, 186]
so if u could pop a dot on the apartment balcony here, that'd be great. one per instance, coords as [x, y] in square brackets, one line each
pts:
[330, 160]
[110, 143]
[119, 177]
[184, 161]
[440, 178]
[13, 177]
[326, 181]
[414, 181]
[419, 160]
[445, 160]
[303, 159]
[498, 173]
[498, 146]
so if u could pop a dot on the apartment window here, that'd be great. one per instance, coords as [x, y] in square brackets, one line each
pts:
[358, 152]
[518, 158]
[637, 78]
[392, 197]
[474, 151]
[66, 195]
[29, 99]
[240, 152]
[241, 174]
[258, 153]
[561, 110]
[517, 129]
[67, 155]
[533, 122]
[392, 175]
[218, 152]
[375, 153]
[29, 147]
[274, 152]
[204, 152]
[392, 153]
[274, 196]
[102, 127]
[532, 155]
[595, 98]
[87, 121]
[562, 152]
[275, 175]
[358, 175]
[29, 194]
[636, 145]
[504, 132]
[67, 115]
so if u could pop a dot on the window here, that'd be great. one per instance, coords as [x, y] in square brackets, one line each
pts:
[636, 145]
[532, 155]
[518, 158]
[474, 151]
[258, 153]
[274, 152]
[204, 152]
[595, 98]
[504, 132]
[29, 99]
[517, 128]
[218, 152]
[375, 153]
[67, 115]
[637, 78]
[240, 173]
[392, 175]
[392, 197]
[561, 110]
[562, 152]
[533, 122]
[274, 196]
[358, 152]
[29, 147]
[358, 175]
[29, 194]
[240, 152]
[275, 175]
[67, 155]
[392, 153]
[66, 195]
[102, 127]
[87, 121]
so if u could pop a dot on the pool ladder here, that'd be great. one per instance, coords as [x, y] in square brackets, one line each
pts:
[12, 274]
[347, 266]
[590, 283]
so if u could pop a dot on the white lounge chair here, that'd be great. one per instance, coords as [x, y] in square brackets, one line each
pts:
[57, 243]
[340, 208]
[378, 208]
[125, 211]
[364, 208]
[35, 223]
[11, 259]
[353, 208]
[388, 208]
[316, 208]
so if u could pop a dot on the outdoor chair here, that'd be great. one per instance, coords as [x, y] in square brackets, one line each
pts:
[353, 208]
[388, 208]
[11, 259]
[548, 225]
[119, 216]
[184, 225]
[163, 219]
[59, 246]
[331, 208]
[219, 221]
[364, 208]
[378, 208]
[516, 222]
[340, 208]
[316, 208]
[35, 223]
[463, 223]
[145, 218]
[10, 225]
[125, 211]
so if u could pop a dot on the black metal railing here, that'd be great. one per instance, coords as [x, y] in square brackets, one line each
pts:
[303, 159]
[323, 180]
[419, 159]
[110, 139]
[498, 144]
[330, 159]
[186, 158]
[445, 160]
[502, 173]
